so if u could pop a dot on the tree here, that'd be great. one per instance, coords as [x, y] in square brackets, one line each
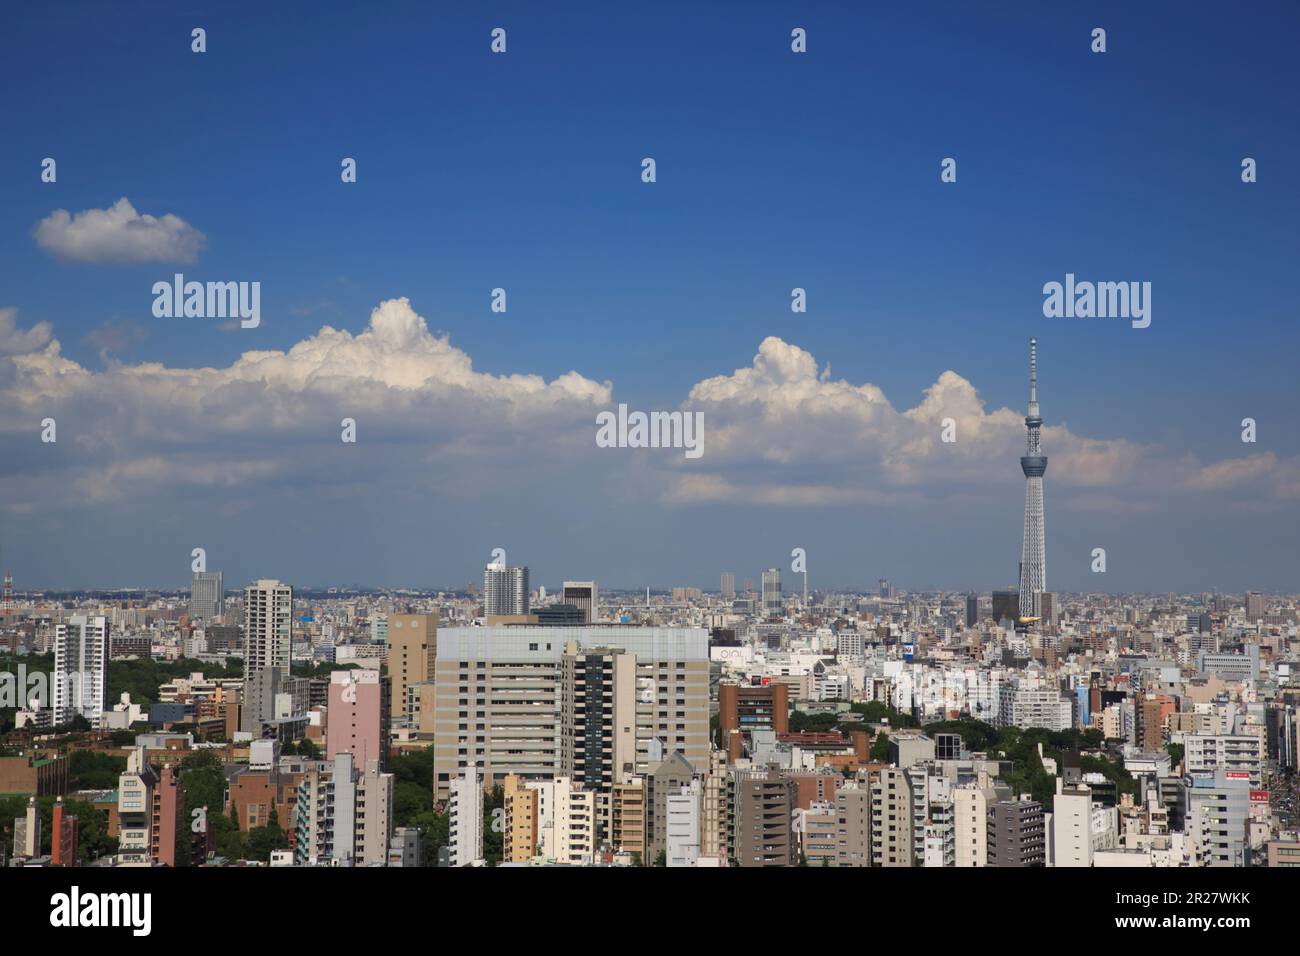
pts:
[662, 858]
[1175, 753]
[880, 747]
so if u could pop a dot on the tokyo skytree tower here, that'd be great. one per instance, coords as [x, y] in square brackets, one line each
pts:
[1033, 553]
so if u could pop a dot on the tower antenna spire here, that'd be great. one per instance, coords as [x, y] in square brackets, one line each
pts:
[1033, 553]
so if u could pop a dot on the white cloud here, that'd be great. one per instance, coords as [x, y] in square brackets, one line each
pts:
[118, 234]
[274, 416]
[779, 432]
[15, 342]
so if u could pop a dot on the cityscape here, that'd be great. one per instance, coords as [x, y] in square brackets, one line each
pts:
[482, 437]
[765, 725]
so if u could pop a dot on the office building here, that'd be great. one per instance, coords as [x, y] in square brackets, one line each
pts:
[744, 708]
[412, 648]
[499, 700]
[207, 595]
[583, 595]
[1238, 756]
[1218, 808]
[773, 601]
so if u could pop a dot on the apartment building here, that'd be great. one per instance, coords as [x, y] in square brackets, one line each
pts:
[1016, 837]
[764, 834]
[343, 815]
[893, 842]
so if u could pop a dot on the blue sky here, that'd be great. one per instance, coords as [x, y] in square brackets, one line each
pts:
[775, 170]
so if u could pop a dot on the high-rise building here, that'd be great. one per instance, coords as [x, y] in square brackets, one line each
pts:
[892, 840]
[773, 602]
[1048, 608]
[520, 834]
[207, 595]
[1256, 606]
[972, 609]
[970, 824]
[80, 668]
[626, 827]
[598, 700]
[1016, 837]
[268, 614]
[465, 833]
[357, 721]
[728, 587]
[27, 832]
[63, 836]
[148, 813]
[1072, 826]
[1218, 806]
[1006, 606]
[343, 815]
[499, 703]
[1033, 553]
[853, 827]
[742, 709]
[581, 594]
[412, 644]
[505, 591]
[764, 832]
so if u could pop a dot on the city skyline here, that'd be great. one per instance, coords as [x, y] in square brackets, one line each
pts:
[477, 429]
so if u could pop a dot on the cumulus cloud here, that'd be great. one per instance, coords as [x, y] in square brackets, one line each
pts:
[16, 342]
[118, 234]
[781, 431]
[275, 415]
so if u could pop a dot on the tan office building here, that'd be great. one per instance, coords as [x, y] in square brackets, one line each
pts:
[412, 643]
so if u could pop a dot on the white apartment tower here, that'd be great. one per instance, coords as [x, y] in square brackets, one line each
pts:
[465, 836]
[268, 613]
[81, 668]
[505, 590]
